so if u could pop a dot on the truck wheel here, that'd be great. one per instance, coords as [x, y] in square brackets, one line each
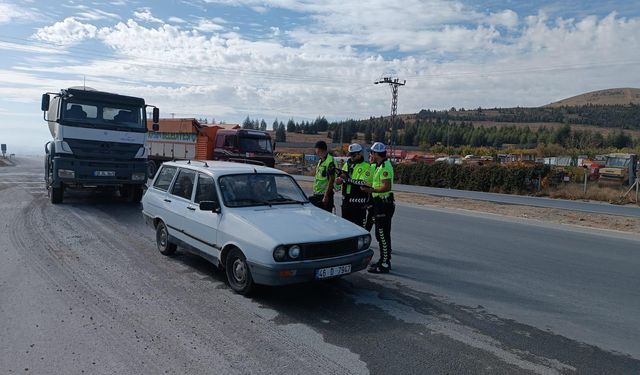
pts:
[56, 194]
[162, 240]
[152, 168]
[238, 273]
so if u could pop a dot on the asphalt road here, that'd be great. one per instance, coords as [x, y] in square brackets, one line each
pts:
[83, 290]
[563, 204]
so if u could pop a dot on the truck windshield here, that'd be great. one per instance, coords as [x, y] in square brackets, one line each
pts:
[104, 115]
[617, 162]
[258, 189]
[255, 144]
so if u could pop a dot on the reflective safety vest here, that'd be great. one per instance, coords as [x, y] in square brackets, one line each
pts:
[324, 170]
[360, 174]
[383, 171]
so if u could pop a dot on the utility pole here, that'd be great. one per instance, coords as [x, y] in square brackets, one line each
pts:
[394, 83]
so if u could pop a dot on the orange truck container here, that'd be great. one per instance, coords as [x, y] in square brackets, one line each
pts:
[187, 139]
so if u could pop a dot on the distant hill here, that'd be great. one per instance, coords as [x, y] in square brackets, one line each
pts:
[620, 96]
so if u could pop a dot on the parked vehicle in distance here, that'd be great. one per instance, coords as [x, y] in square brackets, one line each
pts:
[188, 139]
[619, 169]
[98, 142]
[253, 222]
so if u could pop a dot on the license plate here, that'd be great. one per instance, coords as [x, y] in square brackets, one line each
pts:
[324, 273]
[104, 173]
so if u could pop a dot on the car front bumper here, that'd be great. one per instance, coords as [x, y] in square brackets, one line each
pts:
[304, 271]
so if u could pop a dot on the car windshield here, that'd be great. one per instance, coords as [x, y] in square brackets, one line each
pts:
[617, 162]
[255, 144]
[257, 189]
[103, 115]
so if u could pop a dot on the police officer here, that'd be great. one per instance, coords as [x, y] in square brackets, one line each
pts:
[383, 206]
[324, 179]
[356, 172]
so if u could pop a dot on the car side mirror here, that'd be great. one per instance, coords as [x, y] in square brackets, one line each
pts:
[156, 115]
[45, 102]
[155, 127]
[212, 206]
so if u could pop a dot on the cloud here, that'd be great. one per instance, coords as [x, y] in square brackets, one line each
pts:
[144, 15]
[24, 47]
[67, 32]
[95, 15]
[208, 26]
[11, 12]
[472, 63]
[176, 20]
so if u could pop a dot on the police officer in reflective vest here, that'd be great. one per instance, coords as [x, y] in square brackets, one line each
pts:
[356, 172]
[324, 179]
[383, 206]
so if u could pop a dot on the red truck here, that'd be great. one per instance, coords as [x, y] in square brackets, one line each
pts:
[186, 138]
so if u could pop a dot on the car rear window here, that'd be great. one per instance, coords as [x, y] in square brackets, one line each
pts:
[165, 176]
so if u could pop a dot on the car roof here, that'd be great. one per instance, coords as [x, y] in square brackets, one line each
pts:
[220, 168]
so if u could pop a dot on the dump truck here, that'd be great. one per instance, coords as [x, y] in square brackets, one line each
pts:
[188, 139]
[619, 169]
[98, 142]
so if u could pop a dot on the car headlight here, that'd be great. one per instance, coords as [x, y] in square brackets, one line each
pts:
[294, 252]
[364, 242]
[279, 253]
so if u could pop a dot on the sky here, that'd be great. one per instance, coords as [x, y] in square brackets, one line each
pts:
[229, 59]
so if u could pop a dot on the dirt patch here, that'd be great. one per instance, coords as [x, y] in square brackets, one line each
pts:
[552, 215]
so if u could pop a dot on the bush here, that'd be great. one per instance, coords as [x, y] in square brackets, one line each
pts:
[487, 178]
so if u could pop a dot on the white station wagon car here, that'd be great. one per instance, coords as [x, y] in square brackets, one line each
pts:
[254, 222]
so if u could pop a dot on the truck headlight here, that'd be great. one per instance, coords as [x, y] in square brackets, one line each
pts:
[138, 176]
[66, 173]
[294, 252]
[279, 253]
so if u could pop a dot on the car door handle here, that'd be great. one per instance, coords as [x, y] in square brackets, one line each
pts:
[191, 208]
[167, 200]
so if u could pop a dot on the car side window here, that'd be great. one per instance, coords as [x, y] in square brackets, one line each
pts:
[183, 187]
[165, 176]
[206, 189]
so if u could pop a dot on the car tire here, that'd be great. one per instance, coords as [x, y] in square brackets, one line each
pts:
[238, 273]
[162, 240]
[56, 194]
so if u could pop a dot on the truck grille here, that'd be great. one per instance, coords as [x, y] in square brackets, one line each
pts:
[102, 150]
[330, 249]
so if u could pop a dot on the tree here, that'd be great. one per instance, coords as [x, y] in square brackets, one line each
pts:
[274, 126]
[263, 125]
[367, 135]
[291, 126]
[281, 134]
[247, 124]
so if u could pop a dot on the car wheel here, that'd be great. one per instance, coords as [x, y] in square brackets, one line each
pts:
[162, 240]
[238, 273]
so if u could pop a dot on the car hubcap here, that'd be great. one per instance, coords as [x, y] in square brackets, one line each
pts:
[163, 238]
[239, 271]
